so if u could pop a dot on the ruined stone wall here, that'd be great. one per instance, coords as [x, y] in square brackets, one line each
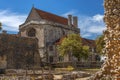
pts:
[111, 67]
[18, 52]
[3, 62]
[40, 35]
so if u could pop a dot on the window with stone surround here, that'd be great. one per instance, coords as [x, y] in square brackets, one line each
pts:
[31, 32]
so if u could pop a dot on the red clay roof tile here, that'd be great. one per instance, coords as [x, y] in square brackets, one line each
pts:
[52, 17]
[87, 42]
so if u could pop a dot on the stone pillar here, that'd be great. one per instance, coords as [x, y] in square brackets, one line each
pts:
[111, 67]
[70, 20]
[75, 21]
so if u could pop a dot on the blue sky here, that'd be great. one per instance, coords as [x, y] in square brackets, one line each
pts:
[90, 13]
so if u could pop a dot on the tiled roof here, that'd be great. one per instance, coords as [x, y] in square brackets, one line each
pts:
[87, 42]
[52, 17]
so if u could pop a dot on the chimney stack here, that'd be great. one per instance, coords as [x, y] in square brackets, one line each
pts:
[75, 21]
[70, 20]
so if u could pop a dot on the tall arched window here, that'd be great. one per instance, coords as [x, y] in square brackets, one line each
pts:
[31, 32]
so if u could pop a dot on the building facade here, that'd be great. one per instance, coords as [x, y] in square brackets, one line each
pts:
[48, 28]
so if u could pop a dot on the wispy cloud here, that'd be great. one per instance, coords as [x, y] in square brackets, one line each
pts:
[10, 20]
[90, 26]
[98, 18]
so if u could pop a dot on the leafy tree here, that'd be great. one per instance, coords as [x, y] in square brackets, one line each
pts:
[83, 53]
[72, 46]
[100, 44]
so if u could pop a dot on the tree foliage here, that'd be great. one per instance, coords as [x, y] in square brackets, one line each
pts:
[100, 44]
[72, 44]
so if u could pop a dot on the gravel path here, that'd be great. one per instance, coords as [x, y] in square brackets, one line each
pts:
[83, 78]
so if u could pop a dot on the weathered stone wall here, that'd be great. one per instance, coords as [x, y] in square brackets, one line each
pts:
[111, 67]
[40, 35]
[33, 15]
[3, 62]
[18, 52]
[53, 33]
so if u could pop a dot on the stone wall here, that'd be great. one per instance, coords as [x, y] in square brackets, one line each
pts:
[18, 52]
[3, 62]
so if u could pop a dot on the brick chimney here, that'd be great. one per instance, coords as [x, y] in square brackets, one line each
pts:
[75, 21]
[70, 20]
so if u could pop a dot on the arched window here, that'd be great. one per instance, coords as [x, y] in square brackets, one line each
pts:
[31, 32]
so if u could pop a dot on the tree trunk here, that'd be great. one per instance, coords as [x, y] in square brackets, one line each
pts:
[111, 67]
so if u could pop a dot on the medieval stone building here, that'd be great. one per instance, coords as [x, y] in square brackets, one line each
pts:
[37, 39]
[48, 28]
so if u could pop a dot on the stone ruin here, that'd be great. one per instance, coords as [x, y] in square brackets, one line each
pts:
[18, 52]
[111, 68]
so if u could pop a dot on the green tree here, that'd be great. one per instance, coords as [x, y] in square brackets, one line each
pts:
[100, 44]
[72, 45]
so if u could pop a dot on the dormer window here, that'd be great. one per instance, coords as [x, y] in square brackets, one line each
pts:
[31, 32]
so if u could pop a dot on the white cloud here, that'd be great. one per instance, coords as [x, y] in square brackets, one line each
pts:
[10, 20]
[98, 18]
[90, 26]
[69, 13]
[96, 29]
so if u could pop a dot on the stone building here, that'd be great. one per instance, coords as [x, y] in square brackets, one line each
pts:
[42, 30]
[48, 28]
